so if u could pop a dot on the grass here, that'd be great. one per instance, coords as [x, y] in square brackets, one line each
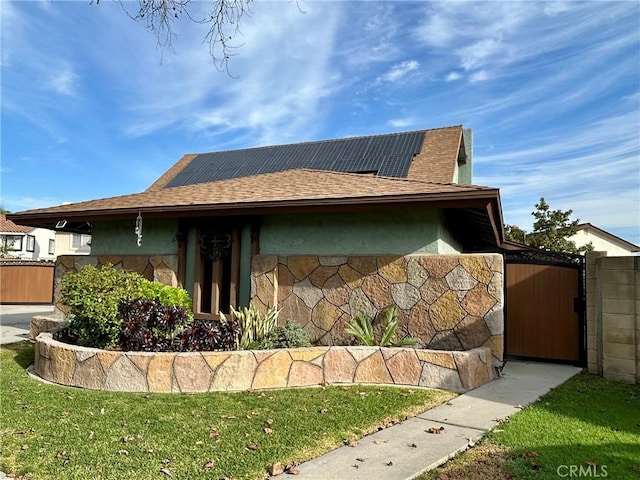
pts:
[588, 426]
[53, 432]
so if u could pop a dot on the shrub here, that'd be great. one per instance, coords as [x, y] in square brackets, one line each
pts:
[208, 335]
[253, 327]
[148, 326]
[289, 335]
[361, 327]
[93, 296]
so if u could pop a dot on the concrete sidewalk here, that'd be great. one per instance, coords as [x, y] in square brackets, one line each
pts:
[406, 450]
[15, 320]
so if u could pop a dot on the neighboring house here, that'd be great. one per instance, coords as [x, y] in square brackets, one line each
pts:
[25, 243]
[603, 241]
[73, 243]
[324, 230]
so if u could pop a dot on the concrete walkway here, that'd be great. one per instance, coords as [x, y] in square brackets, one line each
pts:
[15, 319]
[406, 450]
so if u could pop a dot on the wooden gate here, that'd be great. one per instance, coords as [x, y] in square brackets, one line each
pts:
[23, 282]
[544, 304]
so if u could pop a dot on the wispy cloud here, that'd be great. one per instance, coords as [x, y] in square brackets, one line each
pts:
[399, 71]
[63, 81]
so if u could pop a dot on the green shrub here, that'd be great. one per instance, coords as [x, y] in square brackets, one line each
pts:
[361, 327]
[253, 327]
[289, 335]
[93, 295]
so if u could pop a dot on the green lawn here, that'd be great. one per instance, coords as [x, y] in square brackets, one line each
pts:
[588, 427]
[54, 432]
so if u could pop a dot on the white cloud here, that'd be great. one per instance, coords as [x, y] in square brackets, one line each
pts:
[63, 81]
[400, 70]
[401, 122]
[452, 77]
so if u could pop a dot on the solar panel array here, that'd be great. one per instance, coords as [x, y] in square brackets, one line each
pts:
[387, 155]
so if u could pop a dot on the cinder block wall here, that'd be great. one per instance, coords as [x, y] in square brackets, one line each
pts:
[613, 316]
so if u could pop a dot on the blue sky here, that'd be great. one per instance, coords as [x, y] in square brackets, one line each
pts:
[92, 108]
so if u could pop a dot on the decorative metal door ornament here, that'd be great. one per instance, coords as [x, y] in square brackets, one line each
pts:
[138, 229]
[215, 245]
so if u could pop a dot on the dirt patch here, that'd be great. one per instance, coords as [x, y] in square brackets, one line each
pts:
[485, 461]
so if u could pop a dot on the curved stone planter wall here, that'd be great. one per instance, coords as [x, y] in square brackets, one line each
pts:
[261, 369]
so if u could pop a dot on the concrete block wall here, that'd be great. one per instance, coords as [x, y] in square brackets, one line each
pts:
[613, 316]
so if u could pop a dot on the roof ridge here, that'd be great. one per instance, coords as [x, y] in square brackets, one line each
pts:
[329, 140]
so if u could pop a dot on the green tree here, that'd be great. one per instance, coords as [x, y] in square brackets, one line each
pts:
[551, 230]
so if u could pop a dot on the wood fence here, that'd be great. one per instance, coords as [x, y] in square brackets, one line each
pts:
[26, 282]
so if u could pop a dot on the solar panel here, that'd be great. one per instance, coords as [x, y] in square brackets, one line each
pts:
[388, 155]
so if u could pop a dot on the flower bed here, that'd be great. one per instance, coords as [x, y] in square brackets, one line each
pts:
[192, 372]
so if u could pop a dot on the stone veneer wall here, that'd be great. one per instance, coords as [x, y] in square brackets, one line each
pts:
[449, 302]
[159, 268]
[262, 369]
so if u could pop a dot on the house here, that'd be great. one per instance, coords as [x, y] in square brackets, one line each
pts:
[323, 230]
[24, 242]
[603, 241]
[68, 243]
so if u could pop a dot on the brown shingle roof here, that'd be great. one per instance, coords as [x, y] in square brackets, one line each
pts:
[438, 157]
[7, 226]
[304, 187]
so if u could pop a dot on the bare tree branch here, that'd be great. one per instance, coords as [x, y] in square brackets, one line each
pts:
[223, 20]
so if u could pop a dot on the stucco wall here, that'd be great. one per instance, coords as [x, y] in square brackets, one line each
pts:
[380, 233]
[450, 302]
[118, 238]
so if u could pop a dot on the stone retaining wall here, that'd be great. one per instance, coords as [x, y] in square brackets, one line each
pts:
[449, 302]
[261, 369]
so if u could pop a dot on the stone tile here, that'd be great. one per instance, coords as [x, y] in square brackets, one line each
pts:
[336, 291]
[373, 370]
[472, 332]
[435, 376]
[419, 324]
[107, 358]
[392, 268]
[350, 276]
[433, 289]
[160, 373]
[325, 315]
[460, 279]
[466, 363]
[89, 374]
[477, 301]
[293, 308]
[495, 287]
[301, 266]
[124, 376]
[141, 359]
[445, 313]
[360, 352]
[360, 304]
[332, 261]
[308, 293]
[307, 354]
[285, 282]
[274, 371]
[404, 367]
[495, 320]
[405, 295]
[339, 366]
[443, 359]
[496, 344]
[438, 265]
[416, 273]
[620, 335]
[477, 267]
[265, 290]
[135, 263]
[445, 340]
[494, 262]
[337, 334]
[377, 290]
[364, 265]
[192, 372]
[304, 374]
[64, 362]
[261, 264]
[321, 274]
[84, 353]
[236, 373]
[215, 359]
